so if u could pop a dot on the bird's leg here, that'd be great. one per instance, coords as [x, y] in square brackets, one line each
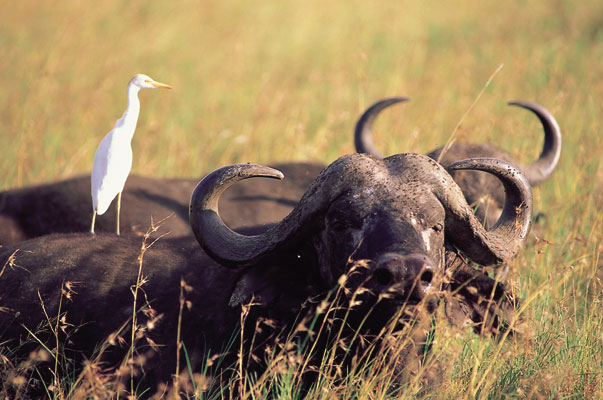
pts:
[93, 220]
[118, 210]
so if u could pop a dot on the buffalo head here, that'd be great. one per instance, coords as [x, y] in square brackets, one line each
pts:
[397, 213]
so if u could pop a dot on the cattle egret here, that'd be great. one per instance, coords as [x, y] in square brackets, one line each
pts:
[113, 158]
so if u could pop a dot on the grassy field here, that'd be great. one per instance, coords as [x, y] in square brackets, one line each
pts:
[285, 80]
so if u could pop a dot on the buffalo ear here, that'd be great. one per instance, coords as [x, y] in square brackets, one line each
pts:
[280, 285]
[482, 302]
[254, 285]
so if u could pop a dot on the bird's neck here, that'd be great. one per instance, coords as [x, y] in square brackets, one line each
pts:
[130, 117]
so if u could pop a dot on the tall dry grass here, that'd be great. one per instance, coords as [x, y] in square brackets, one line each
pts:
[272, 81]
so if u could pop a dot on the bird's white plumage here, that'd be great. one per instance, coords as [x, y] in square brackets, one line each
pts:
[112, 165]
[113, 158]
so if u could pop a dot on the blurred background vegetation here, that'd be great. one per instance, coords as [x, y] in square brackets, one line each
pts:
[266, 81]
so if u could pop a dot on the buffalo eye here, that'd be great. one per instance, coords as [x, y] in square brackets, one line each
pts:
[339, 225]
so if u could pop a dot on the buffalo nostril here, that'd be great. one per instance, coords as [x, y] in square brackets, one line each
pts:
[383, 276]
[426, 276]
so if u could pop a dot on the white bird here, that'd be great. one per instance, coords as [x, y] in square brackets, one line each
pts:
[113, 158]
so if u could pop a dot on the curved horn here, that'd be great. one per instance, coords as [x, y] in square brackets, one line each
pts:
[506, 237]
[212, 233]
[233, 249]
[363, 139]
[538, 171]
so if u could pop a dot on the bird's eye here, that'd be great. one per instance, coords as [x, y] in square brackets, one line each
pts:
[437, 227]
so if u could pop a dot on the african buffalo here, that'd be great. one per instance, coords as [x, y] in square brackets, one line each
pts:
[481, 190]
[65, 206]
[401, 219]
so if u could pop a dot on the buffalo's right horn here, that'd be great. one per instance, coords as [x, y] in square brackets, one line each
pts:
[505, 238]
[236, 250]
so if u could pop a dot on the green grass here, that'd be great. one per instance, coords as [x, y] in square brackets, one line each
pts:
[285, 80]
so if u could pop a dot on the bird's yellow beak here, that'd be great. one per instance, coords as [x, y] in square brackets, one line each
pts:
[159, 85]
